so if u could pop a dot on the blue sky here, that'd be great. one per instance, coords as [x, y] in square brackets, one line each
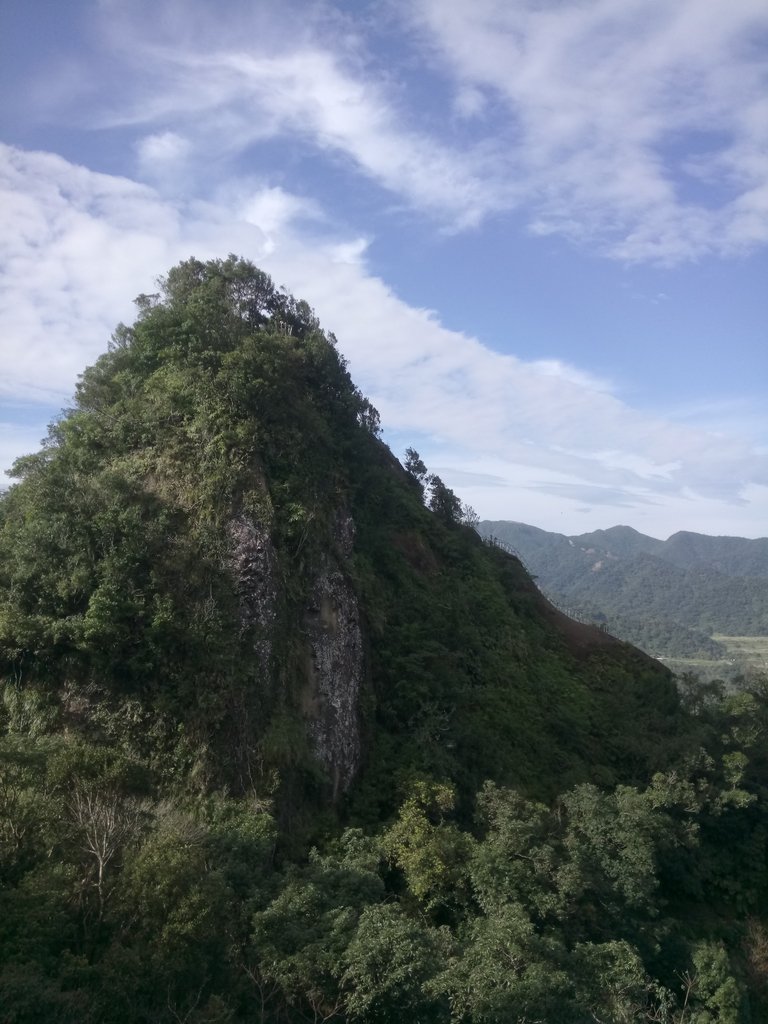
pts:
[538, 229]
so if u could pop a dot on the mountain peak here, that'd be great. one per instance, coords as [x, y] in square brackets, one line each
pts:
[216, 538]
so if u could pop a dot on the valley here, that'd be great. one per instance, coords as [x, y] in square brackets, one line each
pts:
[697, 603]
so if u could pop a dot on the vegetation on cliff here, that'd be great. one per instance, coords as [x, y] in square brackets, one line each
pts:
[283, 741]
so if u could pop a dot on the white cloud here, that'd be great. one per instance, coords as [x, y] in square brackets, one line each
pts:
[162, 154]
[163, 148]
[79, 245]
[557, 368]
[70, 241]
[596, 118]
[272, 210]
[567, 504]
[608, 102]
[235, 96]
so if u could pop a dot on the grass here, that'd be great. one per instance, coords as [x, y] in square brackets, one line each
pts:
[744, 654]
[750, 649]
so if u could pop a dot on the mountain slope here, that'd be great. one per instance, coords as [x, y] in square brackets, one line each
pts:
[231, 626]
[215, 539]
[731, 556]
[692, 582]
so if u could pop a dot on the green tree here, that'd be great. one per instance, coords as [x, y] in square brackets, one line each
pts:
[415, 468]
[506, 971]
[432, 852]
[387, 966]
[299, 941]
[443, 502]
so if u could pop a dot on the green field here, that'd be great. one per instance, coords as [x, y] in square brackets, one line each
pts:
[746, 654]
[752, 650]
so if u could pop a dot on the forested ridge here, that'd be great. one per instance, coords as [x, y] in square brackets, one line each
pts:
[667, 596]
[283, 740]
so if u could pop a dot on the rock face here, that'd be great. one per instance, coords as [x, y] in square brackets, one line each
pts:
[253, 563]
[335, 666]
[334, 663]
[334, 677]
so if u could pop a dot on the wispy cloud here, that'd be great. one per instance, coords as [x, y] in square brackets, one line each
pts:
[637, 128]
[610, 107]
[611, 496]
[227, 92]
[79, 245]
[163, 157]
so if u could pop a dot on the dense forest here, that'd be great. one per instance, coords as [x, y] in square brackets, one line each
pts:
[667, 596]
[284, 740]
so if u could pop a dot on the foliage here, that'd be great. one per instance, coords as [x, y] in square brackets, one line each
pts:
[540, 827]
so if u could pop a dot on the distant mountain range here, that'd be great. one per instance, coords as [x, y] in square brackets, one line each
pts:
[669, 597]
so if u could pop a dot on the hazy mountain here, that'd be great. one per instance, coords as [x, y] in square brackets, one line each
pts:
[731, 556]
[691, 584]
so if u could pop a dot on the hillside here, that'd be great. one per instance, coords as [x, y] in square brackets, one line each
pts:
[216, 535]
[670, 597]
[284, 740]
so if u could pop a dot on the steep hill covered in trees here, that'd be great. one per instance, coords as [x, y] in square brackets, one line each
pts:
[285, 741]
[215, 537]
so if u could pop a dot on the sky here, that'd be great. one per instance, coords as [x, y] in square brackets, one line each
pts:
[538, 228]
